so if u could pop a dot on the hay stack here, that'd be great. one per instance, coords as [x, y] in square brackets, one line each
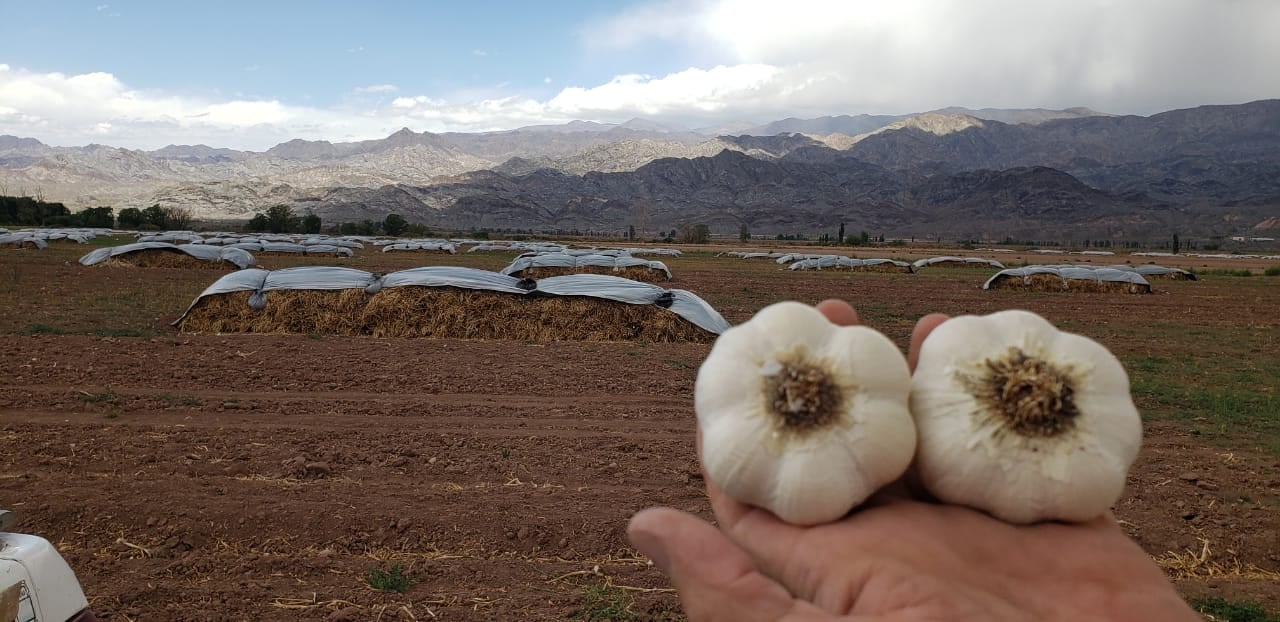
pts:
[442, 313]
[644, 274]
[886, 266]
[27, 243]
[1055, 283]
[164, 258]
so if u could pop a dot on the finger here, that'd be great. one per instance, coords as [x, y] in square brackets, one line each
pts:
[924, 326]
[838, 312]
[715, 579]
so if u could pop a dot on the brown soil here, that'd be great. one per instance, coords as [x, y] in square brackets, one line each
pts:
[214, 477]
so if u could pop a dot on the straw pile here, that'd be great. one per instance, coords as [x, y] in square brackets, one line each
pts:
[442, 313]
[1172, 275]
[635, 273]
[886, 266]
[164, 258]
[21, 244]
[1055, 283]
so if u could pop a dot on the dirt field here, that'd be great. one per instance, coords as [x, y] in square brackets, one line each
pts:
[208, 477]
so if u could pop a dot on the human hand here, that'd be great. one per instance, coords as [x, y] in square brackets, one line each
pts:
[901, 558]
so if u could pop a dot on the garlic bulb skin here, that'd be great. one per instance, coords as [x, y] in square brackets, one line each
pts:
[802, 417]
[1021, 420]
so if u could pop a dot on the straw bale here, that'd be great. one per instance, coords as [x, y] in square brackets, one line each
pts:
[1034, 282]
[635, 273]
[1054, 283]
[443, 313]
[164, 258]
[1110, 287]
[880, 267]
[1171, 276]
[21, 244]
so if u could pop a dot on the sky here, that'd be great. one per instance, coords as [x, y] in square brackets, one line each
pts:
[144, 74]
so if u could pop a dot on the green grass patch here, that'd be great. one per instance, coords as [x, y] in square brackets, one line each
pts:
[393, 580]
[1224, 610]
[106, 396]
[1225, 272]
[1272, 271]
[1224, 398]
[605, 602]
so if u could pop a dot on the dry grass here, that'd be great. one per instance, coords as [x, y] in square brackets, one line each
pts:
[442, 313]
[1054, 283]
[163, 258]
[1201, 565]
[1171, 276]
[635, 273]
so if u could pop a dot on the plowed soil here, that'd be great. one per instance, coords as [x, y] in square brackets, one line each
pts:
[229, 477]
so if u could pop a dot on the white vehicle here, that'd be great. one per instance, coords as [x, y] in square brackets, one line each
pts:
[36, 584]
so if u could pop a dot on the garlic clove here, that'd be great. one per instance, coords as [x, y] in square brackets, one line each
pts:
[802, 417]
[1022, 420]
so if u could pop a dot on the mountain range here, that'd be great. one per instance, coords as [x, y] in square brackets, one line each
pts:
[952, 173]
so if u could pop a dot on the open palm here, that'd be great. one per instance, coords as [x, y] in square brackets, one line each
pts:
[900, 558]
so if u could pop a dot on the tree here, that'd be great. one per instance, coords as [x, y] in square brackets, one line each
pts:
[311, 223]
[840, 236]
[177, 218]
[97, 217]
[281, 219]
[744, 232]
[153, 217]
[1175, 244]
[631, 232]
[257, 224]
[695, 234]
[131, 218]
[394, 224]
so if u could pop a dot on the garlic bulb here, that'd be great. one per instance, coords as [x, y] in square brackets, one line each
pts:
[802, 417]
[1021, 420]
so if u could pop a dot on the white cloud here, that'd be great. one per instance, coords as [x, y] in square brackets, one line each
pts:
[102, 7]
[765, 60]
[479, 53]
[377, 88]
[1137, 56]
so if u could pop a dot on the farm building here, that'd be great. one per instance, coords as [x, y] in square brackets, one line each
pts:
[835, 262]
[558, 264]
[165, 255]
[449, 302]
[950, 262]
[1069, 278]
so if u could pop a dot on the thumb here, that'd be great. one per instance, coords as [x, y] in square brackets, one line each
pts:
[716, 580]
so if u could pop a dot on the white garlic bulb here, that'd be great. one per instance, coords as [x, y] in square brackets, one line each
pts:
[1021, 420]
[802, 417]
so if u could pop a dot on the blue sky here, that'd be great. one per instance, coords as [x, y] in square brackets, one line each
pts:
[251, 74]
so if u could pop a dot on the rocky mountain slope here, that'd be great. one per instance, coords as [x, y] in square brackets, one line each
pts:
[954, 172]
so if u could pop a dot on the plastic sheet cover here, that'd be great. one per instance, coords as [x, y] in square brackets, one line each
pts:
[452, 276]
[834, 261]
[1070, 272]
[241, 258]
[929, 261]
[317, 277]
[17, 238]
[260, 282]
[328, 249]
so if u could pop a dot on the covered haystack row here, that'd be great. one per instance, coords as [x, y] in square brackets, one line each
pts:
[1069, 279]
[558, 264]
[434, 246]
[165, 255]
[835, 262]
[22, 240]
[1152, 271]
[449, 302]
[952, 262]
